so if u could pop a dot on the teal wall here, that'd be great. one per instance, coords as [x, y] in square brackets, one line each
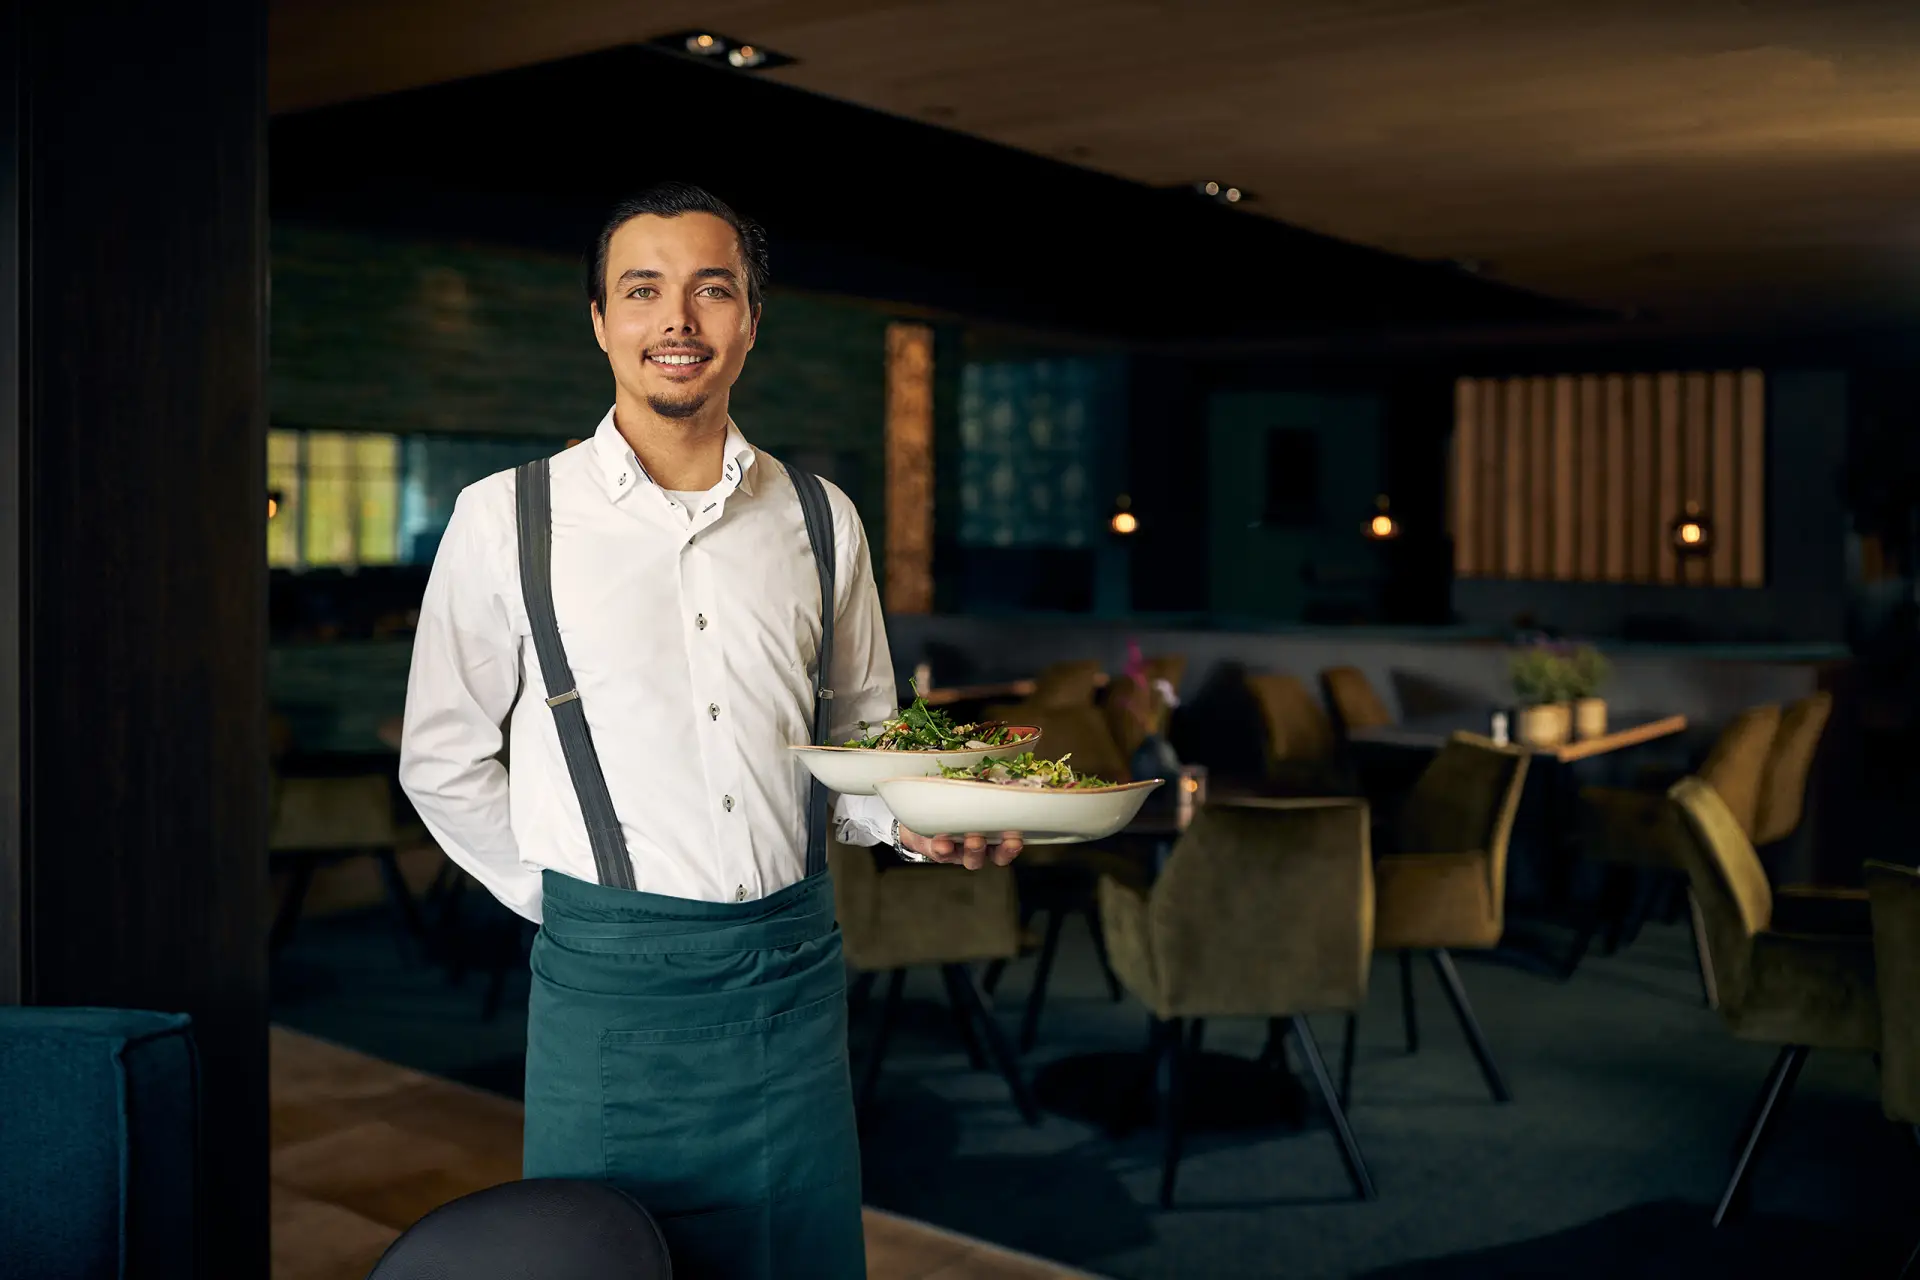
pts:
[370, 333]
[1256, 572]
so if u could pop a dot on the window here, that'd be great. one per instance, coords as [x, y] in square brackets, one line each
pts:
[1026, 431]
[1581, 479]
[348, 499]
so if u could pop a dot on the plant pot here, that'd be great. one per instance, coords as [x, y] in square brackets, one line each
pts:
[1590, 717]
[1547, 725]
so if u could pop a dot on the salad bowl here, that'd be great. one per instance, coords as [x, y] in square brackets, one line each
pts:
[1083, 809]
[920, 741]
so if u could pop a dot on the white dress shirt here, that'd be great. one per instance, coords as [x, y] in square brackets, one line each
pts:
[691, 630]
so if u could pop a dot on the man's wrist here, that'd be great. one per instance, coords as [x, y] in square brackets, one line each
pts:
[902, 850]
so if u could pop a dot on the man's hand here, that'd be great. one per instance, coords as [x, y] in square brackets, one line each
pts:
[971, 851]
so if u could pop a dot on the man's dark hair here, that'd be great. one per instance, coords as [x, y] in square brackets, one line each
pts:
[670, 200]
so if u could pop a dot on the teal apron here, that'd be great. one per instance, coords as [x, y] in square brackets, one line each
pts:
[693, 1053]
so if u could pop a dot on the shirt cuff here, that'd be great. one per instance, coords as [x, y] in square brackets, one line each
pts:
[862, 820]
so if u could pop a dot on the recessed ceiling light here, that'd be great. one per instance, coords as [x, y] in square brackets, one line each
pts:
[1220, 191]
[1211, 188]
[712, 47]
[1233, 195]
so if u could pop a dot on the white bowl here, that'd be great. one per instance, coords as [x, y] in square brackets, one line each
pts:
[959, 806]
[852, 771]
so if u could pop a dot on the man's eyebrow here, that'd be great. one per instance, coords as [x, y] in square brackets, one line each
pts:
[716, 273]
[638, 273]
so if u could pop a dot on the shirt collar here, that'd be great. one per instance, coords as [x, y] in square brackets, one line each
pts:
[622, 472]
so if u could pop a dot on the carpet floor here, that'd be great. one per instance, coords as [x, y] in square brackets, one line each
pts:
[1628, 1097]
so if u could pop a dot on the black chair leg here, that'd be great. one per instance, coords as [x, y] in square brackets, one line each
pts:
[1100, 950]
[1476, 1039]
[859, 992]
[400, 897]
[288, 916]
[1703, 958]
[1349, 1044]
[1779, 1084]
[960, 978]
[1030, 1024]
[990, 983]
[963, 1017]
[1274, 1052]
[1172, 1082]
[1406, 1002]
[1349, 1145]
[889, 1009]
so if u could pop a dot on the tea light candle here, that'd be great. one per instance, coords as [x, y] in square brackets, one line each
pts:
[1189, 794]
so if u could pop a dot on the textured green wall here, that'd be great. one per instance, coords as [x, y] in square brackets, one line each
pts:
[371, 333]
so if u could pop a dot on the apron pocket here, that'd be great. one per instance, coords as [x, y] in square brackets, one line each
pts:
[704, 1119]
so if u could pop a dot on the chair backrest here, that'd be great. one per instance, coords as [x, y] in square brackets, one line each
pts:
[1353, 699]
[1465, 801]
[1067, 684]
[1171, 667]
[554, 1228]
[1082, 732]
[1737, 765]
[1131, 712]
[1267, 908]
[1728, 883]
[1297, 726]
[1783, 782]
[332, 813]
[1893, 894]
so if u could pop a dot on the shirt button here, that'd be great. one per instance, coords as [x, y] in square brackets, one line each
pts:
[726, 802]
[700, 621]
[740, 894]
[713, 710]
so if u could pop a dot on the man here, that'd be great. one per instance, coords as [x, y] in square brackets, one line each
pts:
[650, 610]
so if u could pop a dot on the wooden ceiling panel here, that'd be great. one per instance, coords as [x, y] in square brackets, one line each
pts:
[1744, 153]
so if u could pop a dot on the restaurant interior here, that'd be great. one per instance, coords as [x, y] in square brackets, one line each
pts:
[1455, 445]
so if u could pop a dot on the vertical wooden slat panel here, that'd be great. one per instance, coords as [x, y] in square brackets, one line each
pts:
[1492, 496]
[1667, 437]
[1588, 430]
[1465, 525]
[1513, 514]
[1642, 481]
[1539, 478]
[1694, 479]
[1563, 507]
[1723, 501]
[909, 467]
[1753, 479]
[1615, 480]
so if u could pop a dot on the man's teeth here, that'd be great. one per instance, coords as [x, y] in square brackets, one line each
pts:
[679, 359]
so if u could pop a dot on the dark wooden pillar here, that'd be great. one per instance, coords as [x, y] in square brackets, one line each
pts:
[132, 565]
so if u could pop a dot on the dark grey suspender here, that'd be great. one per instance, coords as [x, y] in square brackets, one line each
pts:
[612, 863]
[533, 491]
[819, 517]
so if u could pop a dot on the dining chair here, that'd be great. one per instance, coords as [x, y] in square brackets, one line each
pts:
[1634, 833]
[1302, 750]
[1444, 888]
[555, 1228]
[1059, 881]
[1355, 703]
[319, 821]
[1263, 910]
[1783, 783]
[1778, 981]
[1893, 894]
[902, 916]
[1067, 684]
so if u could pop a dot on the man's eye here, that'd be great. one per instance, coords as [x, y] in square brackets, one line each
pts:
[643, 291]
[715, 291]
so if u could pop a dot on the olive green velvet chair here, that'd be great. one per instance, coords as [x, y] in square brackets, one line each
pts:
[1067, 684]
[1445, 888]
[1777, 983]
[1303, 755]
[1354, 702]
[1057, 881]
[897, 916]
[1263, 910]
[1783, 783]
[1894, 895]
[1635, 833]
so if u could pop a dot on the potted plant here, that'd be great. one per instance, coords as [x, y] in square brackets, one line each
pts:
[1541, 680]
[1587, 672]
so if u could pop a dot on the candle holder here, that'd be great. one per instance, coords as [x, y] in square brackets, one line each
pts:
[1190, 793]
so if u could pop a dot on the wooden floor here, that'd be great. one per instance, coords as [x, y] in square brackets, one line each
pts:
[362, 1149]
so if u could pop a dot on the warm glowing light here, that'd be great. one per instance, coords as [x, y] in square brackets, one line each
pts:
[1692, 534]
[1191, 784]
[1123, 522]
[746, 56]
[1233, 195]
[1213, 188]
[273, 507]
[703, 44]
[1382, 526]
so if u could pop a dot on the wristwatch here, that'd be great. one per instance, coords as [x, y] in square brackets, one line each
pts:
[906, 854]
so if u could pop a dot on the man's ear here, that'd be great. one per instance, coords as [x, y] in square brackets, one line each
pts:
[599, 325]
[753, 326]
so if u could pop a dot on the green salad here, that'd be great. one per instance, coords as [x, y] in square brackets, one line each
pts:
[1025, 771]
[922, 728]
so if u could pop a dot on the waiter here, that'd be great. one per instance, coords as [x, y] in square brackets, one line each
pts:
[660, 614]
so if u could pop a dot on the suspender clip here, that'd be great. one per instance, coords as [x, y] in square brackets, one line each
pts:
[571, 695]
[825, 693]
